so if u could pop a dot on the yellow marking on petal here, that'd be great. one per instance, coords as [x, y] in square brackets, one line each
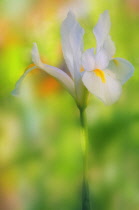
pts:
[100, 74]
[81, 69]
[35, 70]
[116, 62]
[29, 66]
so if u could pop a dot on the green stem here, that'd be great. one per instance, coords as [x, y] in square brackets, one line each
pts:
[84, 142]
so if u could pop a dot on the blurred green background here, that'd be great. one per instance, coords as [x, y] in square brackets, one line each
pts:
[40, 151]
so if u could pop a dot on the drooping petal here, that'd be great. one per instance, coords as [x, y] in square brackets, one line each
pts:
[102, 29]
[58, 74]
[88, 60]
[120, 69]
[102, 59]
[107, 90]
[16, 91]
[109, 47]
[72, 44]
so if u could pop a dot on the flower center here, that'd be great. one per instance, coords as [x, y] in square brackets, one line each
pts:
[100, 74]
[81, 69]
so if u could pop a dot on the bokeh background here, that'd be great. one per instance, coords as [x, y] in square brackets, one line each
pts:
[40, 151]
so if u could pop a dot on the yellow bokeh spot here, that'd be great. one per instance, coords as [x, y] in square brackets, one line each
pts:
[81, 69]
[100, 74]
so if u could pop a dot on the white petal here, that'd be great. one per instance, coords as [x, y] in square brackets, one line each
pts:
[72, 43]
[108, 92]
[121, 69]
[88, 60]
[35, 55]
[102, 59]
[16, 91]
[102, 29]
[58, 74]
[109, 47]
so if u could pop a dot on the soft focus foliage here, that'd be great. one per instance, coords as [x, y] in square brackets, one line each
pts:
[40, 151]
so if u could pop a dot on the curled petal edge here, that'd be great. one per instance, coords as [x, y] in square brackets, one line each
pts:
[58, 74]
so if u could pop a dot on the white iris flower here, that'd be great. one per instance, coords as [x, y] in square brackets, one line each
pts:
[98, 73]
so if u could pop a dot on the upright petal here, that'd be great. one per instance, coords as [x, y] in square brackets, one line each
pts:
[72, 43]
[102, 29]
[102, 59]
[58, 74]
[108, 90]
[88, 60]
[109, 47]
[120, 69]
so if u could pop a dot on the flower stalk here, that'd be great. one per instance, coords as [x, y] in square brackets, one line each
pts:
[84, 143]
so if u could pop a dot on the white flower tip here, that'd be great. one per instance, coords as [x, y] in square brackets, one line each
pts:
[15, 92]
[70, 14]
[34, 44]
[35, 55]
[105, 15]
[34, 48]
[106, 12]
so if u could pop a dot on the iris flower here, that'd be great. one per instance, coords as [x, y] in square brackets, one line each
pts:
[95, 70]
